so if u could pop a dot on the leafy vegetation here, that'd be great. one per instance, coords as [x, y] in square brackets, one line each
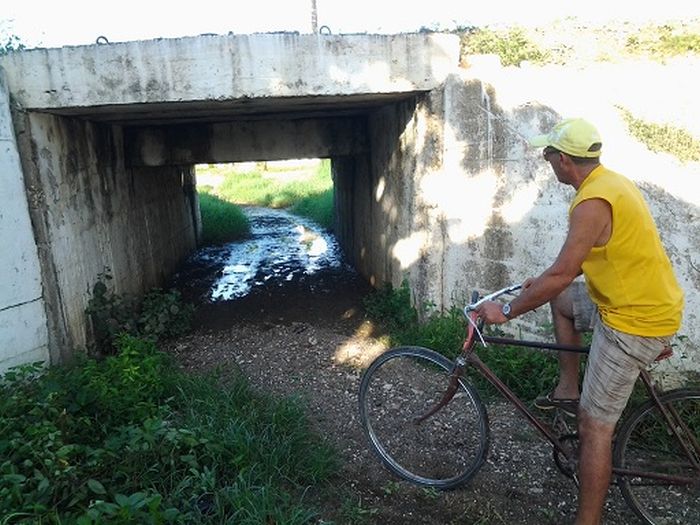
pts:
[663, 137]
[8, 40]
[528, 372]
[664, 41]
[515, 44]
[511, 45]
[159, 315]
[131, 439]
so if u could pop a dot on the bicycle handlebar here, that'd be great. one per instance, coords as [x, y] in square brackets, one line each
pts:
[490, 297]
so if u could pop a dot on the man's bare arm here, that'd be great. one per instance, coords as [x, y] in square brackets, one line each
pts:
[589, 221]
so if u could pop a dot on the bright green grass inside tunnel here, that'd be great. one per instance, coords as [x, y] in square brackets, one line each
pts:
[303, 186]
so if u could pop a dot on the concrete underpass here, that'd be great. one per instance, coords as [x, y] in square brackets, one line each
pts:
[433, 180]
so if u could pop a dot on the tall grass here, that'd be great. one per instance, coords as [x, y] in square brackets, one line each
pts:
[222, 221]
[131, 439]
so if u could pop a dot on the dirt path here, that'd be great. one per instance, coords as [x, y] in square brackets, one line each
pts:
[311, 339]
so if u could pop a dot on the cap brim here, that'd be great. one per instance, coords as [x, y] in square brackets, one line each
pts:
[539, 141]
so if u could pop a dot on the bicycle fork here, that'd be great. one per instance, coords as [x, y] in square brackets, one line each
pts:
[451, 390]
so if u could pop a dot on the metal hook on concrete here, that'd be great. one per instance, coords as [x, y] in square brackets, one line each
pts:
[324, 30]
[101, 40]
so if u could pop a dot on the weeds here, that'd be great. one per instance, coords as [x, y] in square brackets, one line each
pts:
[353, 512]
[159, 315]
[528, 372]
[514, 44]
[661, 42]
[511, 45]
[131, 439]
[663, 138]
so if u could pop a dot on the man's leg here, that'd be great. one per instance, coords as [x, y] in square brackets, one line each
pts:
[595, 467]
[613, 366]
[565, 333]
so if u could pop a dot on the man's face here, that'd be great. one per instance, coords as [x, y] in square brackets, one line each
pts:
[554, 157]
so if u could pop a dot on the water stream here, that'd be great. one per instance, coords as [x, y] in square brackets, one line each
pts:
[282, 247]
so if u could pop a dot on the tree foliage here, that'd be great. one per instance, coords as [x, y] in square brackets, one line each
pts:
[8, 40]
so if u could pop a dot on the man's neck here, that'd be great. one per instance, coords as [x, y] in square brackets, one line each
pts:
[582, 172]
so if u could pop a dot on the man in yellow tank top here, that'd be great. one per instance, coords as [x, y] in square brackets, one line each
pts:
[636, 305]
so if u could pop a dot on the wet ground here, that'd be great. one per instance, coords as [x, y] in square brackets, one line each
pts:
[288, 269]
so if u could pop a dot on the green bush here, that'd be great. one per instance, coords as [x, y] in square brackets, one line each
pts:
[131, 439]
[661, 42]
[159, 315]
[663, 138]
[162, 315]
[511, 45]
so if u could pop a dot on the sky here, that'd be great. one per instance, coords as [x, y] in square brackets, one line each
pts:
[55, 23]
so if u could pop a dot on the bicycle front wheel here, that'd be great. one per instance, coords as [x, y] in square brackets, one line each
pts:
[443, 451]
[646, 444]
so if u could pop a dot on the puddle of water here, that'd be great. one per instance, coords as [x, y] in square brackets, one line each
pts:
[281, 248]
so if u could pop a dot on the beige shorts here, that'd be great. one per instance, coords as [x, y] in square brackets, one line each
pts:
[585, 310]
[614, 362]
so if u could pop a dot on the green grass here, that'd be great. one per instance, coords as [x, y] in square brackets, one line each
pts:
[131, 439]
[511, 45]
[527, 372]
[308, 193]
[663, 137]
[222, 221]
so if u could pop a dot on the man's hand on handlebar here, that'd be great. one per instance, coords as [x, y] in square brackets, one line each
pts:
[491, 313]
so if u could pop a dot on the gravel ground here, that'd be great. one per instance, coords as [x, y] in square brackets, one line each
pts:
[313, 341]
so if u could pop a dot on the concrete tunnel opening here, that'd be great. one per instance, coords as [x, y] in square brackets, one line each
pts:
[264, 224]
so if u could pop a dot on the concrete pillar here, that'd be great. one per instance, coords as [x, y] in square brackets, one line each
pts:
[23, 328]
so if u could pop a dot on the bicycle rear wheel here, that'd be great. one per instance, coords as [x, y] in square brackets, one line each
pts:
[646, 443]
[446, 449]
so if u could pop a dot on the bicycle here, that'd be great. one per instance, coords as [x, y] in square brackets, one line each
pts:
[427, 424]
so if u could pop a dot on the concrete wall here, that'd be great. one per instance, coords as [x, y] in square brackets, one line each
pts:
[23, 328]
[93, 214]
[105, 130]
[374, 193]
[459, 201]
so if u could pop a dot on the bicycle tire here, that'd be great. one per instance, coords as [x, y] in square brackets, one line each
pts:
[445, 450]
[646, 442]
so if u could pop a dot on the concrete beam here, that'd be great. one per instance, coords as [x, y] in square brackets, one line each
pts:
[229, 67]
[245, 141]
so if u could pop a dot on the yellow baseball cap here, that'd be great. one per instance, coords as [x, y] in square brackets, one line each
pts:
[574, 136]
